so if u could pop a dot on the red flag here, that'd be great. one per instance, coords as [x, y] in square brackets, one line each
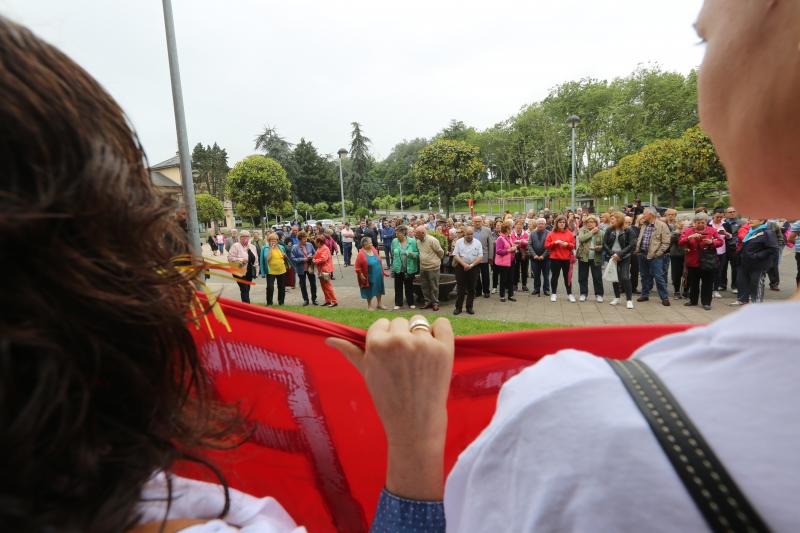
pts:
[318, 445]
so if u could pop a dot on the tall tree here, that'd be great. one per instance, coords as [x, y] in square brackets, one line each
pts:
[316, 179]
[259, 184]
[360, 157]
[447, 168]
[211, 166]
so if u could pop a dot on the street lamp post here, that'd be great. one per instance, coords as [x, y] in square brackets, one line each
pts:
[342, 152]
[573, 122]
[180, 125]
[401, 195]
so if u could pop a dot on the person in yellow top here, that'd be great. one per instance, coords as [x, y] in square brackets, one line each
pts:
[272, 265]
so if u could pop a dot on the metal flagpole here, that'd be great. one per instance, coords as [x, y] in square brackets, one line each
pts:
[180, 125]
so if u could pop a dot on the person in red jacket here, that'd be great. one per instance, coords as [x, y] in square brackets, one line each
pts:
[697, 239]
[560, 242]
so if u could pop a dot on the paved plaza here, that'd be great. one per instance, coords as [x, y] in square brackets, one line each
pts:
[536, 309]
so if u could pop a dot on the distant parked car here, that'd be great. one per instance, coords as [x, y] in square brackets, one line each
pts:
[326, 222]
[661, 210]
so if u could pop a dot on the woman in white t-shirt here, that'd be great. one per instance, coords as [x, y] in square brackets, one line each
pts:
[568, 449]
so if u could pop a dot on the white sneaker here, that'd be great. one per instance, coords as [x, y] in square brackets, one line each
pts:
[553, 297]
[412, 306]
[599, 299]
[396, 307]
[583, 297]
[629, 305]
[494, 291]
[571, 297]
[717, 294]
[615, 301]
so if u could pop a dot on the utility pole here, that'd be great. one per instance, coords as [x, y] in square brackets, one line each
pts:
[180, 125]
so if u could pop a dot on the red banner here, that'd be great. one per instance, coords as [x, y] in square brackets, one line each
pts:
[318, 445]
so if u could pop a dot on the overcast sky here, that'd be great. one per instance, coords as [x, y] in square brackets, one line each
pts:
[311, 67]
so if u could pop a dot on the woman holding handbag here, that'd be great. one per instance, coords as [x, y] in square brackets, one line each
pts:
[701, 242]
[244, 254]
[504, 252]
[323, 260]
[274, 265]
[370, 273]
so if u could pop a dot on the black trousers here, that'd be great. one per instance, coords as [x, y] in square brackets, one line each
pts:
[635, 272]
[676, 264]
[312, 280]
[597, 277]
[521, 270]
[465, 285]
[797, 259]
[774, 273]
[624, 277]
[387, 251]
[244, 289]
[482, 279]
[703, 290]
[750, 288]
[726, 259]
[403, 282]
[540, 271]
[495, 276]
[505, 274]
[271, 287]
[559, 266]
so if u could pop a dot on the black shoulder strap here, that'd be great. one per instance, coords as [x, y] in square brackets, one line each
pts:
[719, 499]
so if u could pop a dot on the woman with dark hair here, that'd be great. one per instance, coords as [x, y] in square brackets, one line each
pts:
[101, 386]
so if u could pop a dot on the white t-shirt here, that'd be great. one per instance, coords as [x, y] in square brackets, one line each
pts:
[469, 252]
[197, 499]
[568, 450]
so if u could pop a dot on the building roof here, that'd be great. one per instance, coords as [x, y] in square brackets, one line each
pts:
[160, 180]
[169, 163]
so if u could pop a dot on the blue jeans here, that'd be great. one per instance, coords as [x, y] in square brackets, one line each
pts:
[653, 269]
[347, 249]
[540, 270]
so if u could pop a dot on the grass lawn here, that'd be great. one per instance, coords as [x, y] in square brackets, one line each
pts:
[462, 325]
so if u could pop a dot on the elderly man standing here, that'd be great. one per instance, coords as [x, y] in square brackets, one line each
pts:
[483, 235]
[540, 257]
[430, 261]
[467, 255]
[653, 243]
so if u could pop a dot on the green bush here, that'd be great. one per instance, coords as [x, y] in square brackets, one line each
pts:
[362, 212]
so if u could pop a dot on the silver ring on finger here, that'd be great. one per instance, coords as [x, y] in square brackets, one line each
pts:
[419, 324]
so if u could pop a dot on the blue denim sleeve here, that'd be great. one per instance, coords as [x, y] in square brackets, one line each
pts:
[399, 515]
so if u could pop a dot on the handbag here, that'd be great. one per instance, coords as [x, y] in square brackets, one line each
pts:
[709, 261]
[324, 276]
[610, 273]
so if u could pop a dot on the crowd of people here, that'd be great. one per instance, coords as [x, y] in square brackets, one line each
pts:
[640, 250]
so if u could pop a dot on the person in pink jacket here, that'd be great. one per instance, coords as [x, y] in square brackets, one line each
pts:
[323, 260]
[504, 251]
[243, 254]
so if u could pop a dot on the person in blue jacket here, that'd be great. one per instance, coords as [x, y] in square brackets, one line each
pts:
[302, 258]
